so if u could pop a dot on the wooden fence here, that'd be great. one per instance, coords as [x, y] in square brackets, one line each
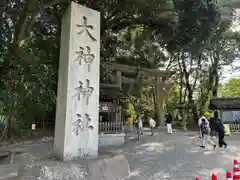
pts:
[111, 127]
[234, 127]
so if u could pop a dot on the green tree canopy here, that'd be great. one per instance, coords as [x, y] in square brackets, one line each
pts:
[143, 33]
[231, 88]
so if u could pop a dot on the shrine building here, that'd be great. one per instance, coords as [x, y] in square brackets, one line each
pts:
[229, 108]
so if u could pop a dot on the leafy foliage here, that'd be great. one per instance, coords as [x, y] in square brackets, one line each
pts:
[195, 31]
[231, 88]
[145, 33]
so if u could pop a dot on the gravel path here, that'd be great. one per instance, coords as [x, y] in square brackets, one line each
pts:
[163, 156]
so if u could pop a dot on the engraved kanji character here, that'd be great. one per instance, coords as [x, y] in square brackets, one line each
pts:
[86, 92]
[78, 124]
[79, 90]
[82, 124]
[80, 55]
[89, 119]
[86, 27]
[87, 58]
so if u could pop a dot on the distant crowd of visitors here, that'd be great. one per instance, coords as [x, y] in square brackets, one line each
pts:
[138, 123]
[208, 129]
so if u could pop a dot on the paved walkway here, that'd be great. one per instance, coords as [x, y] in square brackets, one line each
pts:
[176, 157]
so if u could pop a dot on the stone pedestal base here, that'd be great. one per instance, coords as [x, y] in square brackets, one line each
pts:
[108, 167]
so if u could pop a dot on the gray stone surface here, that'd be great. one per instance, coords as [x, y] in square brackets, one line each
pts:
[108, 167]
[77, 110]
[25, 157]
[111, 139]
[8, 172]
[35, 171]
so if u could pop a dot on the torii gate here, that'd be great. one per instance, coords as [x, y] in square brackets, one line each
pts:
[157, 80]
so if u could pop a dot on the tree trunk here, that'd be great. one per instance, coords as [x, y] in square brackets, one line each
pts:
[159, 103]
[189, 88]
[213, 81]
[9, 129]
[154, 96]
[215, 85]
[181, 79]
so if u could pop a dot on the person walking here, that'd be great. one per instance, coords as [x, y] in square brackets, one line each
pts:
[212, 124]
[221, 133]
[139, 124]
[169, 123]
[130, 123]
[152, 124]
[199, 124]
[205, 129]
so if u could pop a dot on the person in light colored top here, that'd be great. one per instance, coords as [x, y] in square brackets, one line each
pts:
[139, 124]
[205, 129]
[152, 124]
[200, 120]
[199, 124]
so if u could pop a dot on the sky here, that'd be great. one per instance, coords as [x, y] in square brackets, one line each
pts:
[228, 71]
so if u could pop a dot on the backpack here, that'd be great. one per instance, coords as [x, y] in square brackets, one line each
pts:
[220, 127]
[205, 129]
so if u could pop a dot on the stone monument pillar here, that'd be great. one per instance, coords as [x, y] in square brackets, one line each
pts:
[76, 129]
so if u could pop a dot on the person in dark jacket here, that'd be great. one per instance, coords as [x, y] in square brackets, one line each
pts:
[169, 122]
[219, 127]
[212, 124]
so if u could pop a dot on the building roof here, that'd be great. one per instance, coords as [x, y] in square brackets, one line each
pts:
[110, 92]
[227, 103]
